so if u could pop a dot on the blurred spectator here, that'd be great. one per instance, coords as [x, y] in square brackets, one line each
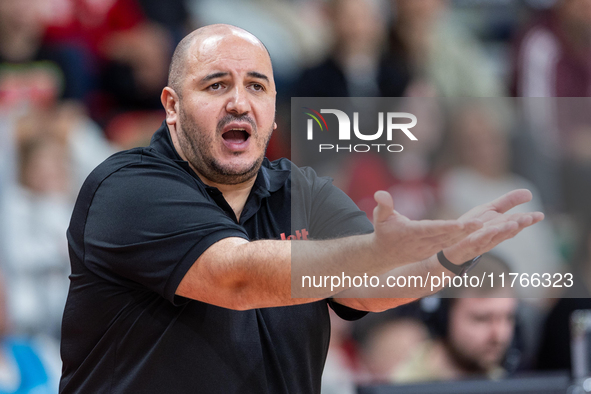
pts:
[133, 128]
[391, 345]
[27, 365]
[294, 32]
[388, 340]
[68, 122]
[472, 334]
[553, 54]
[172, 14]
[440, 52]
[552, 58]
[132, 53]
[341, 371]
[480, 332]
[357, 65]
[371, 350]
[574, 121]
[33, 72]
[555, 344]
[57, 147]
[482, 173]
[7, 154]
[37, 212]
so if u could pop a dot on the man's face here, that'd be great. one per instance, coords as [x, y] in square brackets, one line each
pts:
[226, 107]
[480, 331]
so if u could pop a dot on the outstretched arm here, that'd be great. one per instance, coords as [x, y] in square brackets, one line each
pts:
[238, 274]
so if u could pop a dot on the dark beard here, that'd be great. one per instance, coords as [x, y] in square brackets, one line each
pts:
[208, 166]
[221, 176]
[470, 366]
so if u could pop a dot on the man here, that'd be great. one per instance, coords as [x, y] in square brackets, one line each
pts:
[551, 57]
[473, 332]
[356, 65]
[478, 335]
[180, 282]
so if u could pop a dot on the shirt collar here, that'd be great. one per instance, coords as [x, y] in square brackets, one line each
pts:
[269, 179]
[162, 142]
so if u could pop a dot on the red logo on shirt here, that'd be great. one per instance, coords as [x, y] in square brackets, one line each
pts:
[300, 234]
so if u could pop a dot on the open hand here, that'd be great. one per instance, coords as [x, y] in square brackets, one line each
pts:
[403, 240]
[476, 232]
[498, 225]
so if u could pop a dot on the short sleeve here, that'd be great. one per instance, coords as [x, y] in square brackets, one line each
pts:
[344, 312]
[148, 223]
[332, 213]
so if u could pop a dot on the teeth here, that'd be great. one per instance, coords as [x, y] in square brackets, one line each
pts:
[239, 129]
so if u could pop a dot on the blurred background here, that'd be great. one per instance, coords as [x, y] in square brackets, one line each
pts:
[81, 79]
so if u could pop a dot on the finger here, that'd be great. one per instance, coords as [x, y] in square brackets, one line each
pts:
[537, 217]
[481, 239]
[513, 227]
[527, 219]
[486, 239]
[511, 230]
[476, 243]
[511, 200]
[492, 234]
[385, 207]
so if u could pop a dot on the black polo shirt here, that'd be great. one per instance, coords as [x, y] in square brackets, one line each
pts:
[142, 218]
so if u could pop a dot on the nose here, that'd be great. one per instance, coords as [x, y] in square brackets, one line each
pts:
[238, 103]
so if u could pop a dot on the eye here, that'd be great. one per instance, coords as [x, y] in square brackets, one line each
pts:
[216, 86]
[258, 86]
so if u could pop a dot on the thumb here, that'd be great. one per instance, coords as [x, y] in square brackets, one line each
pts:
[385, 207]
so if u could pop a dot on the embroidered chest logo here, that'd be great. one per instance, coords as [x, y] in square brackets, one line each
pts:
[300, 234]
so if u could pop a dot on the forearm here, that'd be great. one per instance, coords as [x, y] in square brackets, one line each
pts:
[239, 274]
[267, 278]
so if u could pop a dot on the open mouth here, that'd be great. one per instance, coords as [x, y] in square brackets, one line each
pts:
[236, 136]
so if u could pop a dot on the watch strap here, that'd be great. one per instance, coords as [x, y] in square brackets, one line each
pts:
[455, 268]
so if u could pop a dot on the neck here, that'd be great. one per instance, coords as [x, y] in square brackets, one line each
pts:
[235, 195]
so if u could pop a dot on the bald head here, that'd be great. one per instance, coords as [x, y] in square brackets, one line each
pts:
[200, 39]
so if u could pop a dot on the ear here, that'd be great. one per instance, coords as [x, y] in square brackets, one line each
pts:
[170, 102]
[274, 125]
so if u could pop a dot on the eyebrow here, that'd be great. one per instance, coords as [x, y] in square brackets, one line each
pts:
[214, 76]
[255, 74]
[220, 74]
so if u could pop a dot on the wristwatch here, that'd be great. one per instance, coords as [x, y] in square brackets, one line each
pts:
[459, 270]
